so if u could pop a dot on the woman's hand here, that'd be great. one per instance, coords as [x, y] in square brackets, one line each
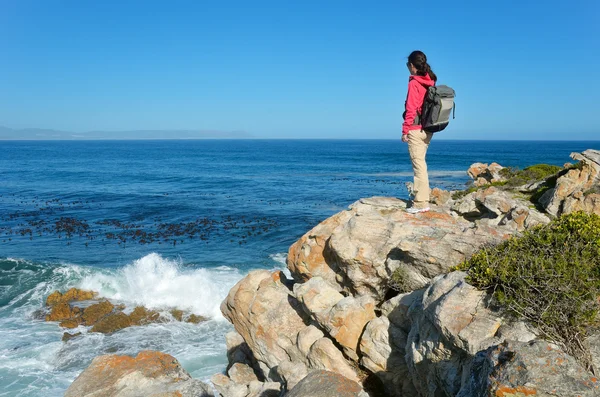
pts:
[404, 137]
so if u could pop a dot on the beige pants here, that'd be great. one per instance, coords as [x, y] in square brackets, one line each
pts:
[418, 142]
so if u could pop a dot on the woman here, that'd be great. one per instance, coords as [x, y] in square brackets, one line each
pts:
[421, 77]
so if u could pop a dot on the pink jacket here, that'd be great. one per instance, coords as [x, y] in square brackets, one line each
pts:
[417, 87]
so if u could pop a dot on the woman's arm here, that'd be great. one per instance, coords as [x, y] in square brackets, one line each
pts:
[411, 105]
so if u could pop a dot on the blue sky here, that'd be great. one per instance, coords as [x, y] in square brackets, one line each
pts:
[299, 69]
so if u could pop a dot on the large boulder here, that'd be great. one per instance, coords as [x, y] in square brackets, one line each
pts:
[484, 174]
[535, 368]
[361, 247]
[326, 384]
[572, 190]
[425, 341]
[273, 324]
[344, 318]
[151, 374]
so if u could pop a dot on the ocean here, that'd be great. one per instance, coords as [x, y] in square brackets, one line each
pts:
[176, 224]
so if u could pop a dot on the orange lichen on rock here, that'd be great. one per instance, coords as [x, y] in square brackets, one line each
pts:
[519, 391]
[59, 312]
[72, 295]
[94, 313]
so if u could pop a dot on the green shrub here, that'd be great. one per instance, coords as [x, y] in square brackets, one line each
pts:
[399, 280]
[550, 276]
[516, 177]
[534, 173]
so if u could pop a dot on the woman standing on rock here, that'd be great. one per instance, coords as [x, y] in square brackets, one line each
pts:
[421, 77]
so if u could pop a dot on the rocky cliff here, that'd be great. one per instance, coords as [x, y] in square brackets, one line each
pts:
[372, 305]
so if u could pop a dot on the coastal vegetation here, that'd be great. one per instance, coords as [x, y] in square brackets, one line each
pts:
[549, 276]
[513, 178]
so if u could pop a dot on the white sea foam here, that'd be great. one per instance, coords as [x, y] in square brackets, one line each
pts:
[34, 361]
[280, 260]
[159, 283]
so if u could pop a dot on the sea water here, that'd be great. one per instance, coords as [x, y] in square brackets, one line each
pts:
[169, 224]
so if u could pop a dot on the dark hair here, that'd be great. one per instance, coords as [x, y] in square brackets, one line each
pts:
[419, 61]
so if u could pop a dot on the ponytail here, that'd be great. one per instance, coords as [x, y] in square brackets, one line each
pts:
[419, 61]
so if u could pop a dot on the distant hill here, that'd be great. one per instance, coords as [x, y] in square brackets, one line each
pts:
[47, 134]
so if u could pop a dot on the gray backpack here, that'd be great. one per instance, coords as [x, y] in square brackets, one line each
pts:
[437, 106]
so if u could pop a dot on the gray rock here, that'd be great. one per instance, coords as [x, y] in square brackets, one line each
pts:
[326, 384]
[376, 236]
[523, 369]
[241, 373]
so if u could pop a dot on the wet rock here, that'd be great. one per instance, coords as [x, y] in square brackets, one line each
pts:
[59, 312]
[177, 314]
[326, 384]
[142, 316]
[67, 336]
[92, 314]
[149, 374]
[194, 319]
[72, 295]
[71, 323]
[111, 323]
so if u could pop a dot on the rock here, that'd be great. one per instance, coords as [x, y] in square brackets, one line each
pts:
[484, 174]
[521, 218]
[141, 316]
[316, 295]
[60, 311]
[376, 236]
[241, 373]
[523, 369]
[307, 337]
[72, 295]
[111, 323]
[274, 326]
[291, 373]
[439, 196]
[306, 257]
[228, 388]
[495, 201]
[324, 355]
[92, 314]
[151, 374]
[344, 318]
[237, 349]
[266, 315]
[71, 323]
[194, 319]
[396, 308]
[264, 389]
[449, 326]
[382, 349]
[467, 206]
[569, 193]
[476, 169]
[67, 336]
[346, 321]
[326, 384]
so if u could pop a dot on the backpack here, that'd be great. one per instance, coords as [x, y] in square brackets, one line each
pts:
[437, 105]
